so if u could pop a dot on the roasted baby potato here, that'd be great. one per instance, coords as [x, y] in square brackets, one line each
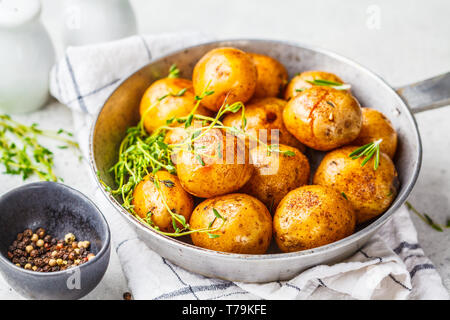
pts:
[247, 228]
[217, 164]
[323, 118]
[276, 174]
[147, 200]
[264, 114]
[167, 100]
[300, 82]
[272, 76]
[176, 135]
[310, 217]
[228, 72]
[376, 126]
[369, 191]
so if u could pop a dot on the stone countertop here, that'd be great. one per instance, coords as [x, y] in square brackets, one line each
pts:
[404, 41]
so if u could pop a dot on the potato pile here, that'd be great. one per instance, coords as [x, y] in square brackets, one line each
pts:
[260, 183]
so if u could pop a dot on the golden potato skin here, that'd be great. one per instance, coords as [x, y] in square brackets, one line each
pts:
[170, 106]
[310, 217]
[230, 73]
[265, 113]
[323, 118]
[299, 82]
[147, 198]
[272, 76]
[247, 229]
[370, 191]
[276, 174]
[176, 135]
[377, 126]
[223, 172]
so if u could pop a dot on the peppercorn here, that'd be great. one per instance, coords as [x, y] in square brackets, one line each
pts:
[69, 238]
[127, 296]
[47, 254]
[40, 232]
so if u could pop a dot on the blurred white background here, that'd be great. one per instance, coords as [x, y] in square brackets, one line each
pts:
[410, 42]
[403, 41]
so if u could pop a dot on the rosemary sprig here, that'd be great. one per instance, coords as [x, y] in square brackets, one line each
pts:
[427, 219]
[21, 152]
[368, 150]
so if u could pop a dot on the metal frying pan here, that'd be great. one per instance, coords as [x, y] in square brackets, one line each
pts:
[121, 111]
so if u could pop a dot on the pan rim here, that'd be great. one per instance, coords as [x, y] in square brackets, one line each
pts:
[173, 242]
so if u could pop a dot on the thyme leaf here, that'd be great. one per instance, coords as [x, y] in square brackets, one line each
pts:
[331, 84]
[427, 219]
[21, 153]
[174, 72]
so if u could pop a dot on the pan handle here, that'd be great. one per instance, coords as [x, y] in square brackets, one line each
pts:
[427, 94]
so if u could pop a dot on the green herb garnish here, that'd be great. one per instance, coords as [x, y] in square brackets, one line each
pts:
[174, 72]
[427, 219]
[22, 154]
[276, 148]
[368, 151]
[141, 153]
[331, 84]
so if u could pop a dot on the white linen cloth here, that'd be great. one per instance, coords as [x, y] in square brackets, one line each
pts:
[390, 266]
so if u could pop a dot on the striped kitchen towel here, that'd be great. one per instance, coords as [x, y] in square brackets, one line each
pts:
[390, 266]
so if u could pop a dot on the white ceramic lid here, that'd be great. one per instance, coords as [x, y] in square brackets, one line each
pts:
[14, 13]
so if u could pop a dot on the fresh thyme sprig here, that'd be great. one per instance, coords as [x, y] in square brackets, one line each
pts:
[174, 72]
[326, 83]
[368, 151]
[141, 153]
[21, 152]
[427, 219]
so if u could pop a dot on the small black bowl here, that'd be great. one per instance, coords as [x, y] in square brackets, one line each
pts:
[58, 209]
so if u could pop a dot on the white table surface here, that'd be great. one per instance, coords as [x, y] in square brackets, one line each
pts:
[411, 44]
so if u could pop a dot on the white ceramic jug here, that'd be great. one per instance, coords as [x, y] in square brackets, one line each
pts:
[93, 21]
[26, 57]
